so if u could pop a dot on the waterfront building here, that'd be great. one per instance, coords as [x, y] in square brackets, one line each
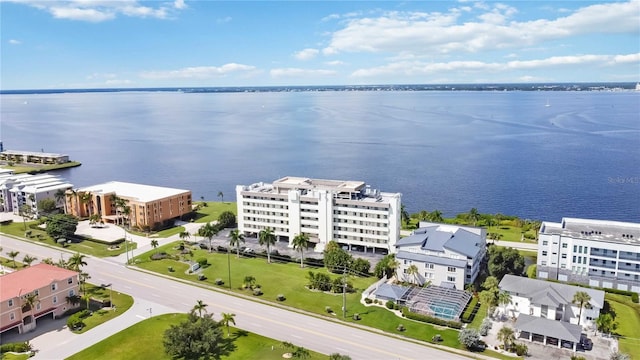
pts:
[349, 212]
[598, 253]
[546, 312]
[51, 286]
[443, 254]
[32, 157]
[149, 206]
[25, 189]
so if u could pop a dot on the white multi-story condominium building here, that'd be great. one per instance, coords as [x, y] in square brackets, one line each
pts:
[51, 286]
[443, 254]
[599, 253]
[21, 189]
[548, 312]
[349, 212]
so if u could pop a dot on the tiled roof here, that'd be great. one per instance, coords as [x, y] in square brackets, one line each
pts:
[550, 328]
[31, 278]
[439, 238]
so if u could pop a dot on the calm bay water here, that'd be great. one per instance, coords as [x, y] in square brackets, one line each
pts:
[497, 151]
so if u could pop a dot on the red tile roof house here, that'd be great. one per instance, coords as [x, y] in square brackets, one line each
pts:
[51, 284]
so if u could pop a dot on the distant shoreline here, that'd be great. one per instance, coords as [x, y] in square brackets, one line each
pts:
[39, 169]
[585, 86]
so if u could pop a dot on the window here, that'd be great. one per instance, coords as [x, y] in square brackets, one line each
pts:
[428, 266]
[451, 269]
[10, 302]
[12, 316]
[70, 281]
[544, 253]
[575, 248]
[71, 293]
[451, 278]
[55, 299]
[545, 242]
[543, 263]
[580, 249]
[54, 287]
[38, 306]
[564, 245]
[564, 256]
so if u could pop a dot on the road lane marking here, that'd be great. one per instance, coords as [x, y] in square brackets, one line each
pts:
[140, 316]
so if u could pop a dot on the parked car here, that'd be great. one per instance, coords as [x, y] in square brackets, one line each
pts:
[586, 343]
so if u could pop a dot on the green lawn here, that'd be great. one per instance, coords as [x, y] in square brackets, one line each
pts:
[628, 318]
[36, 168]
[290, 280]
[144, 341]
[14, 356]
[171, 231]
[7, 262]
[40, 236]
[121, 301]
[212, 211]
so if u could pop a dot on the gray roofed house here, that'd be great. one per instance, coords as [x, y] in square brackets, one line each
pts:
[390, 292]
[442, 253]
[548, 309]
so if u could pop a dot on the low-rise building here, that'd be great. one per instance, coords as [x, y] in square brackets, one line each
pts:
[25, 189]
[549, 311]
[147, 205]
[442, 254]
[348, 212]
[50, 287]
[33, 157]
[598, 253]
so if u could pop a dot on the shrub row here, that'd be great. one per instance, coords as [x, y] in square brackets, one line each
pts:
[430, 319]
[18, 347]
[75, 321]
[467, 316]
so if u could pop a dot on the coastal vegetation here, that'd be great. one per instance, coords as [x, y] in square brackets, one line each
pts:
[499, 226]
[30, 168]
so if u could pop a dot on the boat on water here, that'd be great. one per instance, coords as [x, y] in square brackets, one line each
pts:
[638, 86]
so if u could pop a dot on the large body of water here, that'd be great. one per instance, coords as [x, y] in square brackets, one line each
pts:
[539, 155]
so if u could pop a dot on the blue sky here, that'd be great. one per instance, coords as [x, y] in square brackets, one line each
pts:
[49, 44]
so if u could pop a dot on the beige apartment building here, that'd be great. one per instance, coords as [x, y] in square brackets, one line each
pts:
[51, 285]
[149, 206]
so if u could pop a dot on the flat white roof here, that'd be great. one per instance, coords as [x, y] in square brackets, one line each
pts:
[139, 192]
[32, 153]
[596, 230]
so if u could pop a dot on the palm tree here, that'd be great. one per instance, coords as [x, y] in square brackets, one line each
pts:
[200, 306]
[582, 299]
[423, 215]
[85, 199]
[221, 196]
[235, 240]
[28, 259]
[126, 211]
[185, 235]
[60, 195]
[228, 318]
[26, 212]
[74, 193]
[300, 353]
[208, 231]
[506, 335]
[30, 302]
[267, 238]
[12, 255]
[473, 215]
[504, 298]
[487, 297]
[393, 266]
[154, 244]
[76, 262]
[404, 215]
[413, 271]
[436, 216]
[301, 242]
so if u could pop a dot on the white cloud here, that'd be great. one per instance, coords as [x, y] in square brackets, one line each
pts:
[416, 68]
[199, 72]
[103, 10]
[179, 4]
[118, 82]
[335, 63]
[306, 54]
[14, 42]
[297, 72]
[444, 33]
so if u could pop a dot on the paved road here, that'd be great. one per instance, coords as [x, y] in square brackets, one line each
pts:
[166, 295]
[516, 245]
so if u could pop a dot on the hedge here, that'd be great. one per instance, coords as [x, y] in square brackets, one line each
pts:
[431, 319]
[17, 347]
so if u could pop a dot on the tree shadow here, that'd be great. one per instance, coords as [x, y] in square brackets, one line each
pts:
[240, 333]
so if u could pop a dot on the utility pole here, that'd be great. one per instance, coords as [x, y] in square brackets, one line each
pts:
[344, 292]
[229, 264]
[126, 246]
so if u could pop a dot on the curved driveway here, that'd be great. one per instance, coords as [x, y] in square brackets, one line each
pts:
[168, 295]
